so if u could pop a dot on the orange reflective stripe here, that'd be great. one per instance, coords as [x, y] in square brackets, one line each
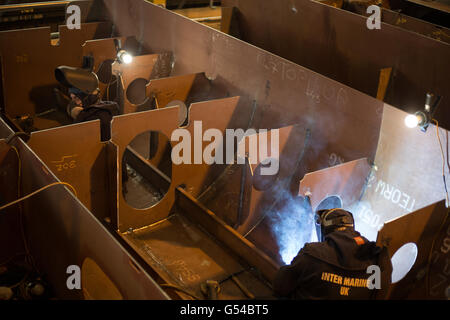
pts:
[359, 241]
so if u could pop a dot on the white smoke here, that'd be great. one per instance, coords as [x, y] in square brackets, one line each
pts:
[293, 226]
[367, 222]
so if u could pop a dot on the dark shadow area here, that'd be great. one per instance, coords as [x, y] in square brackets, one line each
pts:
[147, 170]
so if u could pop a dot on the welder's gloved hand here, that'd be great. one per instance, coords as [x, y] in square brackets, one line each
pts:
[74, 109]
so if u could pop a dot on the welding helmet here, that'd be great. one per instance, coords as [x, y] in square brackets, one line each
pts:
[331, 219]
[83, 79]
[77, 92]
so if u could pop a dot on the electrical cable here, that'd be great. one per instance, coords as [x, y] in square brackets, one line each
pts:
[36, 192]
[235, 274]
[447, 204]
[111, 82]
[446, 215]
[22, 231]
[19, 169]
[25, 277]
[28, 257]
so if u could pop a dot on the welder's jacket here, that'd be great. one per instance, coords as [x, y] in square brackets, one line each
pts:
[102, 110]
[334, 269]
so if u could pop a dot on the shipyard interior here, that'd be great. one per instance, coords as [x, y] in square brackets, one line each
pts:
[218, 131]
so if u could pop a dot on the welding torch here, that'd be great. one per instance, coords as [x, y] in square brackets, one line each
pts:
[308, 206]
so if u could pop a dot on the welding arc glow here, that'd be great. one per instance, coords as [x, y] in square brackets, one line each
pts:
[293, 226]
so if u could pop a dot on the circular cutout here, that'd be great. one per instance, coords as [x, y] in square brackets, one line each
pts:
[403, 260]
[265, 174]
[146, 170]
[182, 114]
[330, 202]
[104, 72]
[136, 91]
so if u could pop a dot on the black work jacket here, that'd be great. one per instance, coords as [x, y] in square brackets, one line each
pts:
[102, 110]
[334, 269]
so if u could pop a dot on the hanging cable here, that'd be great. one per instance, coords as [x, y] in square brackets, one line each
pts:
[37, 191]
[447, 204]
[22, 231]
[446, 215]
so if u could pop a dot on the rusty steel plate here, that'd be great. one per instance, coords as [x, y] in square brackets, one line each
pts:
[440, 5]
[416, 25]
[284, 93]
[228, 237]
[10, 231]
[281, 92]
[393, 15]
[244, 198]
[340, 46]
[266, 189]
[407, 172]
[344, 180]
[29, 61]
[126, 127]
[421, 228]
[183, 254]
[104, 53]
[215, 254]
[76, 155]
[165, 90]
[134, 77]
[61, 232]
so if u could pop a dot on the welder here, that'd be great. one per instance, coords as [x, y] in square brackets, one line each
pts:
[85, 103]
[337, 266]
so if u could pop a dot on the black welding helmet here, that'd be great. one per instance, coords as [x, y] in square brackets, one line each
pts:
[84, 80]
[331, 219]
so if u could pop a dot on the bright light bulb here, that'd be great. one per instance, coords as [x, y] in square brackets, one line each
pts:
[125, 57]
[411, 121]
